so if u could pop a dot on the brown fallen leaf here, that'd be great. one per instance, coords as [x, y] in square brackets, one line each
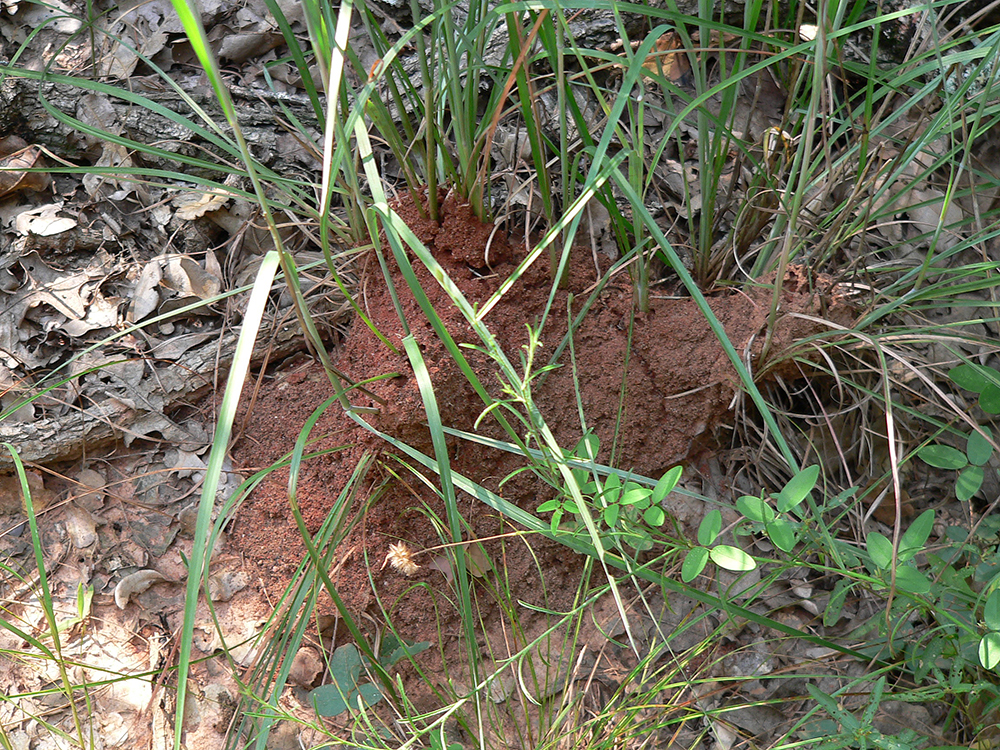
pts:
[197, 203]
[13, 174]
[43, 221]
[476, 561]
[670, 58]
[11, 498]
[674, 66]
[306, 667]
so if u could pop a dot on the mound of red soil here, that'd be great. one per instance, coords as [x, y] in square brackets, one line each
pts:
[654, 388]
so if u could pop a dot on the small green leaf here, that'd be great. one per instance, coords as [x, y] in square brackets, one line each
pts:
[437, 741]
[783, 534]
[611, 515]
[666, 484]
[915, 537]
[797, 489]
[731, 558]
[709, 528]
[755, 509]
[345, 666]
[911, 580]
[370, 695]
[924, 658]
[612, 489]
[989, 650]
[942, 457]
[328, 700]
[880, 550]
[637, 495]
[956, 533]
[989, 399]
[694, 563]
[978, 448]
[638, 540]
[968, 482]
[393, 649]
[840, 498]
[588, 447]
[874, 703]
[549, 505]
[832, 707]
[831, 614]
[344, 692]
[654, 515]
[991, 611]
[968, 377]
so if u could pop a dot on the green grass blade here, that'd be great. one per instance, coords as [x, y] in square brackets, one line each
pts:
[198, 564]
[455, 521]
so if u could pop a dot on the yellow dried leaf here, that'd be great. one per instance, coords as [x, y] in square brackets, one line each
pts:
[194, 205]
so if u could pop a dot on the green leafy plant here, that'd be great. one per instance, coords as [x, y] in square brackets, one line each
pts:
[846, 730]
[967, 577]
[957, 590]
[982, 380]
[724, 555]
[627, 509]
[778, 522]
[989, 646]
[781, 527]
[898, 565]
[971, 463]
[346, 691]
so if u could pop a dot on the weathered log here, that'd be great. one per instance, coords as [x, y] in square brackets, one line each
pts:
[102, 416]
[28, 107]
[180, 383]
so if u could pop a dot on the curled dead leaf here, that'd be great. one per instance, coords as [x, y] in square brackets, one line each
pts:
[12, 499]
[224, 587]
[185, 277]
[194, 205]
[90, 491]
[14, 176]
[145, 296]
[43, 221]
[134, 584]
[306, 667]
[673, 65]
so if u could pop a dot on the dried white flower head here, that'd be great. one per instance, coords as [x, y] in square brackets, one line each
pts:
[401, 558]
